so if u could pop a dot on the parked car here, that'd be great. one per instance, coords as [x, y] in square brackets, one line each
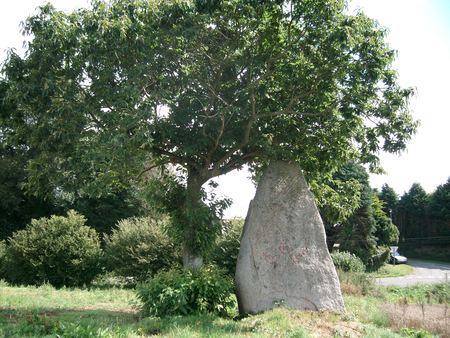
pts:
[398, 258]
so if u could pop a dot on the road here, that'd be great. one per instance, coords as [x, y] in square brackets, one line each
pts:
[424, 272]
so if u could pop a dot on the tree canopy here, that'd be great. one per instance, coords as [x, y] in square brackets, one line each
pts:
[390, 199]
[439, 205]
[109, 92]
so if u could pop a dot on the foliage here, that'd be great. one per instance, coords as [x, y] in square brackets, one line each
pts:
[356, 283]
[103, 212]
[185, 292]
[415, 200]
[196, 224]
[336, 197]
[347, 262]
[386, 232]
[379, 259]
[60, 250]
[2, 258]
[437, 252]
[439, 204]
[415, 333]
[138, 248]
[16, 208]
[226, 250]
[426, 293]
[357, 232]
[412, 211]
[209, 86]
[422, 222]
[390, 199]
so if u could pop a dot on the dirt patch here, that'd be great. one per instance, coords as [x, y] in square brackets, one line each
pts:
[435, 318]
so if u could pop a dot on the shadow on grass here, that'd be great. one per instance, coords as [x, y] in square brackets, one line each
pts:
[85, 316]
[206, 325]
[12, 320]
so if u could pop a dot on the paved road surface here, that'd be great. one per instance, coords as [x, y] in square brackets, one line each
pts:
[424, 272]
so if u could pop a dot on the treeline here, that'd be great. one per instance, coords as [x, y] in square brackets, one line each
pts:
[422, 219]
[17, 208]
[419, 223]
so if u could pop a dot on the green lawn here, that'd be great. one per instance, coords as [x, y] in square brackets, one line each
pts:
[390, 270]
[113, 312]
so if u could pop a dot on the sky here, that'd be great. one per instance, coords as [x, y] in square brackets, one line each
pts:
[420, 32]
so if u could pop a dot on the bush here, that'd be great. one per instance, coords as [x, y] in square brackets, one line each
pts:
[60, 250]
[185, 292]
[226, 250]
[380, 258]
[347, 262]
[138, 248]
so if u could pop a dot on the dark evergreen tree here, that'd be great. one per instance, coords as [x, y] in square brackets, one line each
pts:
[439, 210]
[386, 232]
[358, 230]
[413, 206]
[439, 204]
[390, 199]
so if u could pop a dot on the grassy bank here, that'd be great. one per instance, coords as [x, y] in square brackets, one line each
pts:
[390, 270]
[112, 311]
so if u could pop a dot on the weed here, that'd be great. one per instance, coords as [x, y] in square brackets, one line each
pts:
[415, 333]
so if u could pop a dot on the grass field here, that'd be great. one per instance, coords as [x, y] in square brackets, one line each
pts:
[113, 311]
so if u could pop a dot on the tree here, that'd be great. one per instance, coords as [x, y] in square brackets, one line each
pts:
[415, 201]
[385, 231]
[337, 198]
[439, 211]
[206, 86]
[439, 205]
[390, 199]
[358, 230]
[413, 205]
[103, 212]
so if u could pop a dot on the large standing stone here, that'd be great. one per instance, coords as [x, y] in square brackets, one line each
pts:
[283, 257]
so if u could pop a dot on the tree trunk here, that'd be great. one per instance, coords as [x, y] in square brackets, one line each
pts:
[191, 259]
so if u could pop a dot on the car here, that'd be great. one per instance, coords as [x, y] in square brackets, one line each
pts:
[398, 258]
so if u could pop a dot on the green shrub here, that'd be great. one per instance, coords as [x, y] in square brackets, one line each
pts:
[407, 332]
[138, 248]
[60, 250]
[185, 292]
[347, 262]
[226, 250]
